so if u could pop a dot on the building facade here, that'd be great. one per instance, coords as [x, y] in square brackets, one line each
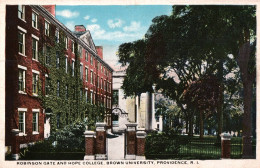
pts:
[32, 35]
[139, 109]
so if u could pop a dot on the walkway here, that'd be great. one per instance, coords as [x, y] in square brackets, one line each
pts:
[115, 146]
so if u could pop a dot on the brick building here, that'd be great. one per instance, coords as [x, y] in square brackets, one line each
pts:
[29, 32]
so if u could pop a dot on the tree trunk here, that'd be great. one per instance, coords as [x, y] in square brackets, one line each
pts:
[247, 79]
[201, 125]
[187, 125]
[221, 97]
[191, 127]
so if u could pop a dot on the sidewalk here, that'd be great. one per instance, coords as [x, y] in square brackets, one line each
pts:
[115, 146]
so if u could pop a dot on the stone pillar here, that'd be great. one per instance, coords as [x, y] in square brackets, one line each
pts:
[225, 145]
[140, 142]
[160, 124]
[101, 142]
[89, 145]
[131, 141]
[148, 115]
[15, 144]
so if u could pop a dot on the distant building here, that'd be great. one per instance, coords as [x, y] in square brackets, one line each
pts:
[30, 30]
[139, 109]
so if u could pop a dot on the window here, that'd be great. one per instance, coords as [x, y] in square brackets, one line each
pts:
[35, 82]
[81, 71]
[66, 42]
[105, 85]
[34, 49]
[34, 20]
[47, 85]
[57, 35]
[91, 59]
[72, 47]
[22, 121]
[21, 80]
[104, 71]
[80, 51]
[101, 83]
[21, 42]
[35, 121]
[94, 99]
[91, 97]
[86, 73]
[73, 64]
[57, 59]
[98, 81]
[97, 65]
[101, 68]
[86, 95]
[91, 77]
[66, 64]
[115, 97]
[94, 79]
[86, 56]
[21, 12]
[105, 102]
[47, 55]
[47, 28]
[58, 88]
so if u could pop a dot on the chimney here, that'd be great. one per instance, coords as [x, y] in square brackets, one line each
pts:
[100, 51]
[50, 8]
[80, 28]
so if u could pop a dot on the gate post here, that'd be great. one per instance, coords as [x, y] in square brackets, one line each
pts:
[225, 145]
[89, 145]
[140, 140]
[15, 144]
[101, 141]
[131, 141]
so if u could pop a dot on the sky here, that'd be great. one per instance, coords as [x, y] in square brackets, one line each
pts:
[112, 25]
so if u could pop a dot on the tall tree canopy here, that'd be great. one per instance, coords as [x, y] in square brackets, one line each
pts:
[193, 41]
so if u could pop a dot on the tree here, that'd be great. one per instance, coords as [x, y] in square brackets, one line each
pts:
[204, 96]
[198, 40]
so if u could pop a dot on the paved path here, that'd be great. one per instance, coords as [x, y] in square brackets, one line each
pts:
[115, 146]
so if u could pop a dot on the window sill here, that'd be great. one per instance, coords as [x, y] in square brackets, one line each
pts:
[22, 20]
[22, 92]
[35, 95]
[35, 28]
[35, 133]
[22, 134]
[35, 60]
[22, 54]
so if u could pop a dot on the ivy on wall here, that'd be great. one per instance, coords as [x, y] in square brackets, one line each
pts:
[64, 94]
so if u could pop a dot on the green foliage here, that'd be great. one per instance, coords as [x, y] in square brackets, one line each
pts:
[65, 99]
[69, 140]
[163, 146]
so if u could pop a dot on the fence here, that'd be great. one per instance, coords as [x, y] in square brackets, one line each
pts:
[181, 147]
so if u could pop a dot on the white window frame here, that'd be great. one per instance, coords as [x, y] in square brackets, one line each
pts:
[37, 73]
[91, 76]
[36, 112]
[91, 96]
[47, 31]
[37, 47]
[81, 70]
[66, 42]
[57, 35]
[24, 69]
[73, 66]
[36, 19]
[86, 73]
[22, 12]
[23, 32]
[23, 111]
[73, 47]
[80, 51]
[86, 94]
[66, 64]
